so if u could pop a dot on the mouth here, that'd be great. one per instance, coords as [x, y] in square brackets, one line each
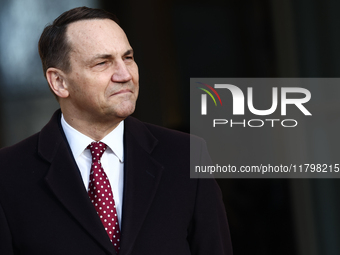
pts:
[123, 91]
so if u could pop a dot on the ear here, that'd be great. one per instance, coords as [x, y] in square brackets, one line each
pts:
[56, 81]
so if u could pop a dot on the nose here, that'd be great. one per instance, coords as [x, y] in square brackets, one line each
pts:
[121, 72]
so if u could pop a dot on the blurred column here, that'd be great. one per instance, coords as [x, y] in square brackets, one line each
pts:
[26, 102]
[307, 40]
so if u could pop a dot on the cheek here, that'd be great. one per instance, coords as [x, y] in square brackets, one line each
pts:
[134, 72]
[79, 89]
[137, 91]
[87, 85]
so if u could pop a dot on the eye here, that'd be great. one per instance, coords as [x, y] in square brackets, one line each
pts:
[129, 57]
[102, 63]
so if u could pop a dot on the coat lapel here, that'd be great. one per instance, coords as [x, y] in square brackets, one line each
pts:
[65, 181]
[142, 175]
[141, 178]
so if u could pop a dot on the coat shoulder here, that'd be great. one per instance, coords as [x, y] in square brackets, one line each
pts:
[162, 134]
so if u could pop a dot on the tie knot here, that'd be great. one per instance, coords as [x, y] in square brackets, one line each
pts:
[97, 149]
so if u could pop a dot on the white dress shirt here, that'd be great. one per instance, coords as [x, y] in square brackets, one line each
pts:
[112, 159]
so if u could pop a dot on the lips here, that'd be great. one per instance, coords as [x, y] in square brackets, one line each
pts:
[123, 91]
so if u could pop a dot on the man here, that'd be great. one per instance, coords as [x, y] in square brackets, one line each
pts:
[54, 185]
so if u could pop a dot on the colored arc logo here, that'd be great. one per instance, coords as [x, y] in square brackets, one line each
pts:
[208, 92]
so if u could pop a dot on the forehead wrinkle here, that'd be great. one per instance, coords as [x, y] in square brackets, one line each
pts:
[87, 30]
[82, 38]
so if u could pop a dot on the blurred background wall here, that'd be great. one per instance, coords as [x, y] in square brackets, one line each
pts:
[173, 41]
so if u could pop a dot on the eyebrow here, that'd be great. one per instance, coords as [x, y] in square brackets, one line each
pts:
[128, 52]
[100, 56]
[108, 56]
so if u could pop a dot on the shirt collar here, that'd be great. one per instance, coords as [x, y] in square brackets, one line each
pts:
[78, 141]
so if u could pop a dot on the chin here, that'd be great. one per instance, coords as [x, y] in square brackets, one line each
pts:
[125, 111]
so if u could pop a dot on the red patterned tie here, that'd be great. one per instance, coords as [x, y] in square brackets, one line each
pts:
[101, 195]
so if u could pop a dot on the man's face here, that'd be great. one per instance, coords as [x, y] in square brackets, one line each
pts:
[103, 81]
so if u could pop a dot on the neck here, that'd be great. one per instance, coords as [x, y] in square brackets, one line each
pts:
[96, 130]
